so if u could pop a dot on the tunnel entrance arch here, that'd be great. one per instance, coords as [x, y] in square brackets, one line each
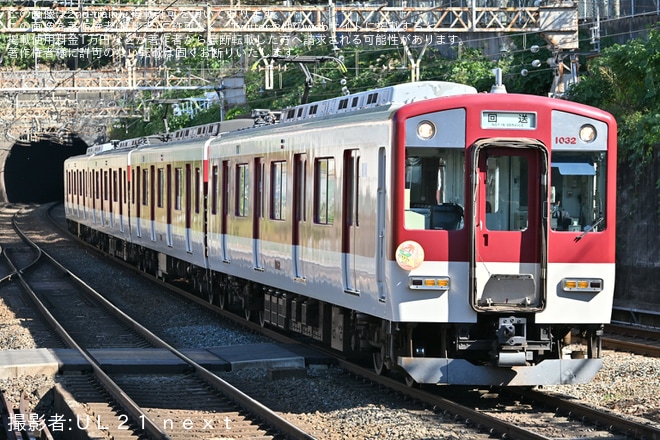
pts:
[33, 172]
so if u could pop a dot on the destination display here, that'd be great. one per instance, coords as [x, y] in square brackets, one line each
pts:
[508, 120]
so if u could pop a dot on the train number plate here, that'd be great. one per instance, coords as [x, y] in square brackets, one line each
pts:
[508, 120]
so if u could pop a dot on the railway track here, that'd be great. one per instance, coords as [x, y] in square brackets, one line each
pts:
[521, 413]
[482, 414]
[639, 340]
[126, 407]
[516, 419]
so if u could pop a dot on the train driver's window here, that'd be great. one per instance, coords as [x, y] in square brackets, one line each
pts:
[577, 193]
[434, 188]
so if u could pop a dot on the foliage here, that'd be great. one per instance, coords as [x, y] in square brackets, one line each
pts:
[625, 80]
[465, 65]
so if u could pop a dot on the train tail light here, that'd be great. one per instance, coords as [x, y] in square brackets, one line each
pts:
[582, 284]
[428, 283]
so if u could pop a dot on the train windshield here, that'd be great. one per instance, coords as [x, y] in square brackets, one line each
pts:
[435, 188]
[578, 191]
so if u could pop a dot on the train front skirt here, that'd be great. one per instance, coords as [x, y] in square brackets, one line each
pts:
[463, 372]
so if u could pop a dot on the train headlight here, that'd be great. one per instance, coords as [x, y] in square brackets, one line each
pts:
[409, 255]
[425, 130]
[582, 284]
[587, 133]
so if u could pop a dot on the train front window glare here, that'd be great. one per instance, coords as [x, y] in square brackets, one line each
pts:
[434, 188]
[506, 193]
[577, 192]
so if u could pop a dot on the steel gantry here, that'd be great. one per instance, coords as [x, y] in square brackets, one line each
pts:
[210, 21]
[142, 39]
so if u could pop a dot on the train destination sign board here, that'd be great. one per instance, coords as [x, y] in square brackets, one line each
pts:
[508, 120]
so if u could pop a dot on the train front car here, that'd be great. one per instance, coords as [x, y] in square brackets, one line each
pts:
[502, 259]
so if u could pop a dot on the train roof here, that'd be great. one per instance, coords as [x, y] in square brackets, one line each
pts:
[392, 96]
[383, 98]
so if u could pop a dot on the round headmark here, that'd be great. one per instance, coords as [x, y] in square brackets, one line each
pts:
[409, 255]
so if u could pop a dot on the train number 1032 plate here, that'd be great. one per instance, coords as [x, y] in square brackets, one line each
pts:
[508, 120]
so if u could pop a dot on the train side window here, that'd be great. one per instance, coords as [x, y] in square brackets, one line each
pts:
[434, 188]
[324, 191]
[115, 186]
[278, 190]
[300, 188]
[178, 188]
[160, 187]
[105, 185]
[145, 186]
[214, 190]
[132, 186]
[97, 185]
[242, 190]
[578, 191]
[197, 189]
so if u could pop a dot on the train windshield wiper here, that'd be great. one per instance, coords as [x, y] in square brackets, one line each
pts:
[588, 229]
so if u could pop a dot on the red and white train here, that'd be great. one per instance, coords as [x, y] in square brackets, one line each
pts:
[461, 237]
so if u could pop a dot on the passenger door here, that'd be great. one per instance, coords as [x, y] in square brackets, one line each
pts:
[509, 231]
[350, 219]
[257, 213]
[299, 214]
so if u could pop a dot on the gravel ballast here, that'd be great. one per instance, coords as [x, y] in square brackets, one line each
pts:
[627, 383]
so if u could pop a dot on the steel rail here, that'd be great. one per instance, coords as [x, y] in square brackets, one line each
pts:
[486, 422]
[630, 428]
[483, 421]
[631, 346]
[266, 414]
[127, 403]
[6, 411]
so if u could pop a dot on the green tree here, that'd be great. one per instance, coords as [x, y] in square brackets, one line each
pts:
[625, 80]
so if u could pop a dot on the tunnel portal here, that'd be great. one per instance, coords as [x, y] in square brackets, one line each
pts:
[33, 172]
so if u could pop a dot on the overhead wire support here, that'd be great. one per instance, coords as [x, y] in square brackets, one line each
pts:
[208, 20]
[302, 61]
[124, 31]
